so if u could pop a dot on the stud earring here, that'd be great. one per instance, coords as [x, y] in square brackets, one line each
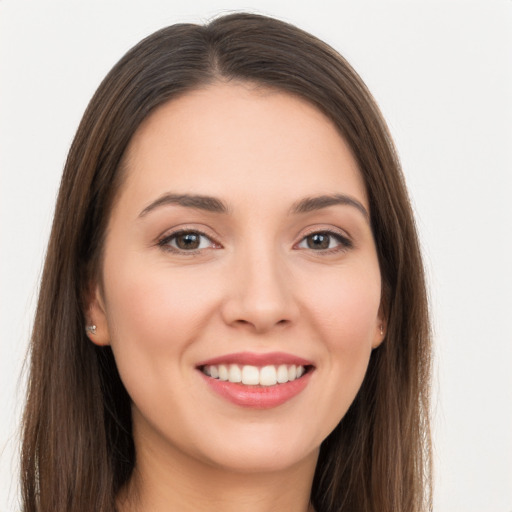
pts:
[90, 329]
[381, 330]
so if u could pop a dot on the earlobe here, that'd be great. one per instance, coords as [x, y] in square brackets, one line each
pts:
[96, 325]
[380, 328]
[380, 335]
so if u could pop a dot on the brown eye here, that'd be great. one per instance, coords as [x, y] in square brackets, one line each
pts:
[318, 241]
[186, 241]
[325, 241]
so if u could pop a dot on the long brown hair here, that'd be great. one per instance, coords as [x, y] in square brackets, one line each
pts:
[77, 448]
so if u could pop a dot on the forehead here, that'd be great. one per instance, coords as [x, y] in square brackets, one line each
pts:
[242, 139]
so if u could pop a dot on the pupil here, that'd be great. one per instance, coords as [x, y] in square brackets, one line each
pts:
[188, 241]
[318, 241]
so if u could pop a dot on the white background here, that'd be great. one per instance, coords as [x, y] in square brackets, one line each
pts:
[442, 74]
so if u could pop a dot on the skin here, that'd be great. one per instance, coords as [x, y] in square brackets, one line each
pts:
[254, 284]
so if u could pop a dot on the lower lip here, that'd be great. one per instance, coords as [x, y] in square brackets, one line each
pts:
[258, 397]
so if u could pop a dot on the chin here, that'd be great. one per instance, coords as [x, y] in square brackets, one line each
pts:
[255, 460]
[259, 448]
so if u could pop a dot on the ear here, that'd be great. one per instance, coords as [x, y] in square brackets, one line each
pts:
[380, 327]
[96, 316]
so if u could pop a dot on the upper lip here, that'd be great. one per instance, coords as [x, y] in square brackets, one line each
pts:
[257, 359]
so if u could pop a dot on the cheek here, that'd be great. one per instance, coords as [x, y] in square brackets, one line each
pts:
[345, 307]
[154, 315]
[345, 313]
[156, 302]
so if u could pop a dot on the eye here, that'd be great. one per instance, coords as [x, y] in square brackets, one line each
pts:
[325, 241]
[186, 241]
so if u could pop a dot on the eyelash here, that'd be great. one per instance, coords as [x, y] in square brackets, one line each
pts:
[344, 243]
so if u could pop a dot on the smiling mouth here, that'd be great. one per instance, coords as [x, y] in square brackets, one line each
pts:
[249, 375]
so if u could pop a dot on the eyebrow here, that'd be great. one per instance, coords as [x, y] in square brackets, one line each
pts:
[310, 204]
[214, 205]
[207, 203]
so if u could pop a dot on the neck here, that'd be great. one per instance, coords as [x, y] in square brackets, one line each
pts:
[161, 483]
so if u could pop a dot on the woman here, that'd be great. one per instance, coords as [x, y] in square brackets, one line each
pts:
[233, 310]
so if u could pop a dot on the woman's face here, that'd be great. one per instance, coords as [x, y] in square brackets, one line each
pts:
[239, 247]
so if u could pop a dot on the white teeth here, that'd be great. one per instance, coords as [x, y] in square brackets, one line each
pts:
[249, 375]
[223, 372]
[268, 376]
[282, 374]
[235, 374]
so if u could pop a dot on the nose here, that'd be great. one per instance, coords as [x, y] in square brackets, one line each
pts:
[260, 293]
